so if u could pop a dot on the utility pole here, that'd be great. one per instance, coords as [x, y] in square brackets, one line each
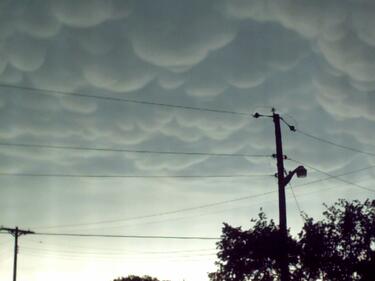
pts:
[16, 232]
[284, 265]
[282, 182]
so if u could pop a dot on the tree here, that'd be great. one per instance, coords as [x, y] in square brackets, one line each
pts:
[339, 247]
[136, 278]
[342, 245]
[251, 254]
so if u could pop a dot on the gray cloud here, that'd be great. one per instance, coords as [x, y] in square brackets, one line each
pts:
[121, 71]
[25, 53]
[174, 34]
[219, 53]
[87, 13]
[341, 31]
[35, 19]
[312, 60]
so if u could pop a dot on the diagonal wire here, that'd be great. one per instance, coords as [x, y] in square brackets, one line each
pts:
[335, 144]
[41, 91]
[296, 201]
[337, 176]
[198, 207]
[161, 213]
[294, 197]
[127, 176]
[333, 177]
[107, 149]
[86, 235]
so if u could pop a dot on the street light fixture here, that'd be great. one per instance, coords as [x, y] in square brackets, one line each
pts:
[300, 171]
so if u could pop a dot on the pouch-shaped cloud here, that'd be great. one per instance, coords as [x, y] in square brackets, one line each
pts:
[363, 21]
[170, 80]
[339, 97]
[351, 56]
[24, 52]
[101, 38]
[205, 80]
[80, 106]
[120, 71]
[83, 13]
[340, 31]
[37, 20]
[11, 75]
[62, 67]
[175, 34]
[248, 60]
[3, 62]
[160, 163]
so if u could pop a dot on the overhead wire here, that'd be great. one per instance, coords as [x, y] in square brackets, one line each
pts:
[70, 257]
[79, 249]
[332, 176]
[296, 200]
[157, 214]
[129, 219]
[62, 252]
[41, 91]
[334, 143]
[123, 252]
[76, 94]
[294, 196]
[143, 151]
[127, 176]
[337, 176]
[87, 235]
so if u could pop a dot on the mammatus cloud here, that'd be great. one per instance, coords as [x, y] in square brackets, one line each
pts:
[230, 54]
[340, 32]
[25, 53]
[88, 13]
[312, 60]
[178, 34]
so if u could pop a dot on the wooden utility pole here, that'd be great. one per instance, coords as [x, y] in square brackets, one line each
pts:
[284, 264]
[300, 171]
[16, 232]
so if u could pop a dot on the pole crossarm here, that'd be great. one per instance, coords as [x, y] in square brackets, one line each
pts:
[16, 231]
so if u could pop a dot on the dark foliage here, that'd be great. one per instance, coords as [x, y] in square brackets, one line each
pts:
[136, 278]
[341, 246]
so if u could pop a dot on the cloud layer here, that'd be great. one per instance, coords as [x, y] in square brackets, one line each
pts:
[313, 60]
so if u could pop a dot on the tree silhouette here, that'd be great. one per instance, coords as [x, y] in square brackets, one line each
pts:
[341, 246]
[136, 278]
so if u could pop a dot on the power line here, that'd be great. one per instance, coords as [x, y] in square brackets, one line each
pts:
[86, 235]
[69, 257]
[294, 195]
[201, 206]
[85, 148]
[335, 144]
[40, 91]
[159, 214]
[117, 251]
[334, 177]
[124, 252]
[295, 200]
[126, 176]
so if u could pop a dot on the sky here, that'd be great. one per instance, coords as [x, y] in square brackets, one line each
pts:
[71, 139]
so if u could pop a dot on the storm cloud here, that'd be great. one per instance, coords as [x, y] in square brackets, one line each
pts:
[312, 60]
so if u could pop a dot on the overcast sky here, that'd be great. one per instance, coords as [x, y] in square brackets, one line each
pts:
[314, 61]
